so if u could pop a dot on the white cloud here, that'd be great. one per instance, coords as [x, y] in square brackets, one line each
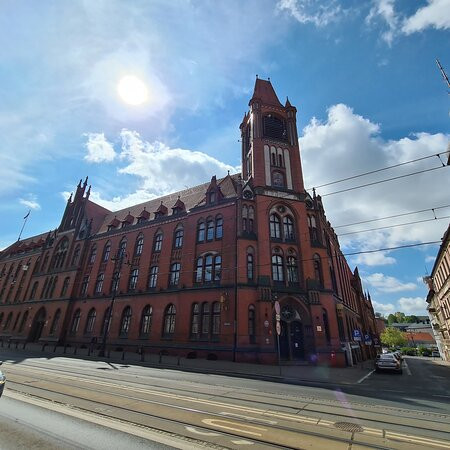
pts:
[160, 169]
[435, 15]
[30, 202]
[310, 11]
[383, 308]
[384, 283]
[413, 305]
[99, 149]
[429, 259]
[384, 9]
[347, 144]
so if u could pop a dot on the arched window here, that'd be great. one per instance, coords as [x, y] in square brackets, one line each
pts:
[251, 323]
[244, 218]
[44, 264]
[76, 255]
[106, 251]
[219, 227]
[106, 321]
[45, 288]
[208, 268]
[250, 266]
[23, 322]
[215, 319]
[34, 290]
[195, 320]
[174, 276]
[274, 159]
[251, 217]
[139, 245]
[8, 321]
[280, 160]
[313, 235]
[133, 280]
[75, 321]
[199, 270]
[90, 321]
[275, 226]
[318, 269]
[210, 230]
[178, 238]
[206, 319]
[157, 245]
[277, 268]
[93, 254]
[153, 277]
[288, 228]
[99, 283]
[55, 322]
[274, 127]
[65, 286]
[16, 321]
[169, 321]
[122, 248]
[201, 232]
[60, 253]
[125, 322]
[146, 321]
[36, 265]
[84, 286]
[217, 267]
[292, 269]
[52, 285]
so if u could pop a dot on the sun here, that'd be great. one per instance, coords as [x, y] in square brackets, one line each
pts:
[132, 90]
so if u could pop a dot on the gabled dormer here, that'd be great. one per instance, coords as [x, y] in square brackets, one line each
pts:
[179, 207]
[161, 211]
[143, 216]
[213, 193]
[127, 221]
[114, 224]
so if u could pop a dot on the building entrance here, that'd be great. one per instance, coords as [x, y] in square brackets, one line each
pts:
[38, 325]
[292, 345]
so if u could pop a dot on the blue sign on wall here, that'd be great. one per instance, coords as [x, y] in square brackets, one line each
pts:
[367, 339]
[356, 335]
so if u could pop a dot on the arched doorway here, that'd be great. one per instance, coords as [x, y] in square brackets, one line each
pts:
[38, 325]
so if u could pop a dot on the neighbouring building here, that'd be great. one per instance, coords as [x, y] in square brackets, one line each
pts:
[438, 298]
[197, 273]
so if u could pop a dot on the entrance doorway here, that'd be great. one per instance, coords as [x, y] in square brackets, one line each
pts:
[292, 345]
[38, 325]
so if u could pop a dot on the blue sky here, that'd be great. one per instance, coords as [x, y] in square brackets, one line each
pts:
[362, 75]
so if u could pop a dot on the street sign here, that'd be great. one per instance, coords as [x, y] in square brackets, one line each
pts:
[266, 323]
[277, 307]
[367, 339]
[277, 317]
[356, 335]
[278, 328]
[376, 342]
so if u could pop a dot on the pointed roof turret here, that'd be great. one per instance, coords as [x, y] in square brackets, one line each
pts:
[179, 206]
[161, 211]
[265, 92]
[288, 103]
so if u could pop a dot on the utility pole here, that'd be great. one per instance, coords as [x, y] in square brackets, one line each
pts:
[444, 75]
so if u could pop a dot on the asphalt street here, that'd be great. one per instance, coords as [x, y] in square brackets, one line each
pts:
[382, 411]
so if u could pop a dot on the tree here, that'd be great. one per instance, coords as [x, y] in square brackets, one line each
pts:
[391, 319]
[400, 317]
[391, 337]
[412, 319]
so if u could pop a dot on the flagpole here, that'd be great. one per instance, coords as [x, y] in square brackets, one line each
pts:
[23, 226]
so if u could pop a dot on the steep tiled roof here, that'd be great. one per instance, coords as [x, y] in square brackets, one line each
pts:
[265, 92]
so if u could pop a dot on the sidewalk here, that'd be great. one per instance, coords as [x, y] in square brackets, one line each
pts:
[299, 374]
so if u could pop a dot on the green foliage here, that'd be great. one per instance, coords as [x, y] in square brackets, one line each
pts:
[409, 351]
[423, 351]
[400, 317]
[412, 319]
[391, 319]
[391, 337]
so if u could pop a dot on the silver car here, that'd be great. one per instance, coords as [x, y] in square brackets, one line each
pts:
[388, 362]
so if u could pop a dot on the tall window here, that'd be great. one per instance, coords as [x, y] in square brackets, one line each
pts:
[75, 321]
[313, 235]
[208, 268]
[195, 319]
[250, 266]
[288, 228]
[210, 230]
[55, 322]
[65, 286]
[60, 253]
[251, 323]
[217, 267]
[34, 290]
[23, 322]
[219, 227]
[106, 321]
[90, 321]
[153, 277]
[169, 321]
[158, 242]
[201, 232]
[199, 270]
[115, 282]
[51, 286]
[146, 321]
[206, 319]
[139, 245]
[8, 321]
[76, 255]
[93, 254]
[174, 277]
[133, 280]
[215, 318]
[106, 252]
[125, 322]
[318, 269]
[122, 248]
[178, 238]
[274, 223]
[277, 268]
[99, 283]
[84, 285]
[292, 269]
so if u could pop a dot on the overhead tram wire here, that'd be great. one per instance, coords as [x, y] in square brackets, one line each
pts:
[392, 217]
[382, 169]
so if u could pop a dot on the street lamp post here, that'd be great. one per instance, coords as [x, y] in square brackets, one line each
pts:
[118, 261]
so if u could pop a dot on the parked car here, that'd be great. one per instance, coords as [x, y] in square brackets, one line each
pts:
[2, 381]
[398, 355]
[388, 362]
[435, 354]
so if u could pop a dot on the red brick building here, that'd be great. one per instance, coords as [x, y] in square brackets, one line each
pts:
[196, 273]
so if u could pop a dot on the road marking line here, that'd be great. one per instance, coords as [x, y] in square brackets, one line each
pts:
[407, 368]
[202, 433]
[326, 423]
[374, 431]
[420, 440]
[365, 376]
[242, 442]
[270, 422]
[217, 423]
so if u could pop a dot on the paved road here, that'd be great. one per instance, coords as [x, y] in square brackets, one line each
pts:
[387, 411]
